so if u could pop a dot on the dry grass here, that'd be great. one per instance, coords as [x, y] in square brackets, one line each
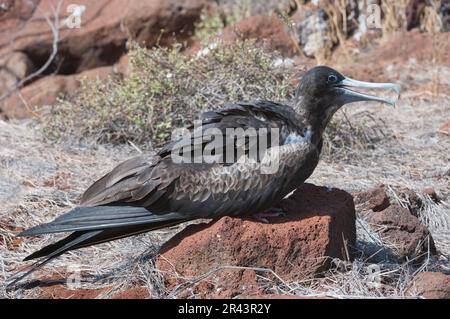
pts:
[342, 23]
[367, 144]
[410, 155]
[338, 31]
[431, 21]
[394, 16]
[167, 89]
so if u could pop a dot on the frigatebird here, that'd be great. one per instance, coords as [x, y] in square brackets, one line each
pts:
[147, 193]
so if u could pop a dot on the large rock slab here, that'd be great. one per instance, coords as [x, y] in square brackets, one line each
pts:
[319, 226]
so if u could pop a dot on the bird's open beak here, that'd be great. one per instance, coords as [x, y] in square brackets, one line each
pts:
[351, 96]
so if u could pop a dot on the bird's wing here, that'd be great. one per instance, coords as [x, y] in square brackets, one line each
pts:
[141, 181]
[129, 194]
[238, 116]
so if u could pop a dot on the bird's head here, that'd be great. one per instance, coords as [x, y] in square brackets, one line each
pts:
[323, 90]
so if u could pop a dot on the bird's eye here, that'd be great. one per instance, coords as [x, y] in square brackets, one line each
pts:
[332, 78]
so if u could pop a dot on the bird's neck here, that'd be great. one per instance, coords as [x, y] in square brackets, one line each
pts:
[310, 118]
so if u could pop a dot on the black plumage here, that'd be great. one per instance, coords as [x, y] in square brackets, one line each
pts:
[147, 193]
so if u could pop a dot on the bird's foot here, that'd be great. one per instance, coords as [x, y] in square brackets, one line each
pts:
[270, 213]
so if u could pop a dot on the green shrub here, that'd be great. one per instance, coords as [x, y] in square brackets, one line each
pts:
[167, 89]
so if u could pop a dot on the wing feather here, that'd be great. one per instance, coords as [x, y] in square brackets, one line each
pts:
[145, 181]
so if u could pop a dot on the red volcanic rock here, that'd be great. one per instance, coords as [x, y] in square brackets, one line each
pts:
[375, 199]
[430, 285]
[45, 91]
[9, 240]
[318, 225]
[407, 237]
[14, 13]
[104, 28]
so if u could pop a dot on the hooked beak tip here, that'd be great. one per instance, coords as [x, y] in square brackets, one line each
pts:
[397, 90]
[356, 96]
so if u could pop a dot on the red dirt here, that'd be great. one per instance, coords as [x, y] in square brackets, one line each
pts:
[133, 293]
[62, 292]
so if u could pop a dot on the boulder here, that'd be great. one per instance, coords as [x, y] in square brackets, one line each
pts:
[45, 91]
[105, 26]
[430, 285]
[319, 226]
[403, 233]
[100, 37]
[375, 199]
[14, 13]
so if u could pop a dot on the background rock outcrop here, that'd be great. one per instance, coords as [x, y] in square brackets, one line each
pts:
[42, 33]
[103, 30]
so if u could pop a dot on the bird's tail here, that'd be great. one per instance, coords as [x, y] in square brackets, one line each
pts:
[94, 225]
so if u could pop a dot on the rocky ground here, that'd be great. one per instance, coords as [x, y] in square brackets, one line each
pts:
[373, 222]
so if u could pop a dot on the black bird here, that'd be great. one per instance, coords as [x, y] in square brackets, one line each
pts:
[147, 193]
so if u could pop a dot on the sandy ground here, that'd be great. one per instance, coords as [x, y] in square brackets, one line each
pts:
[39, 180]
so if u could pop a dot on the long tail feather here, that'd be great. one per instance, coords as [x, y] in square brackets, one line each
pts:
[94, 227]
[99, 217]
